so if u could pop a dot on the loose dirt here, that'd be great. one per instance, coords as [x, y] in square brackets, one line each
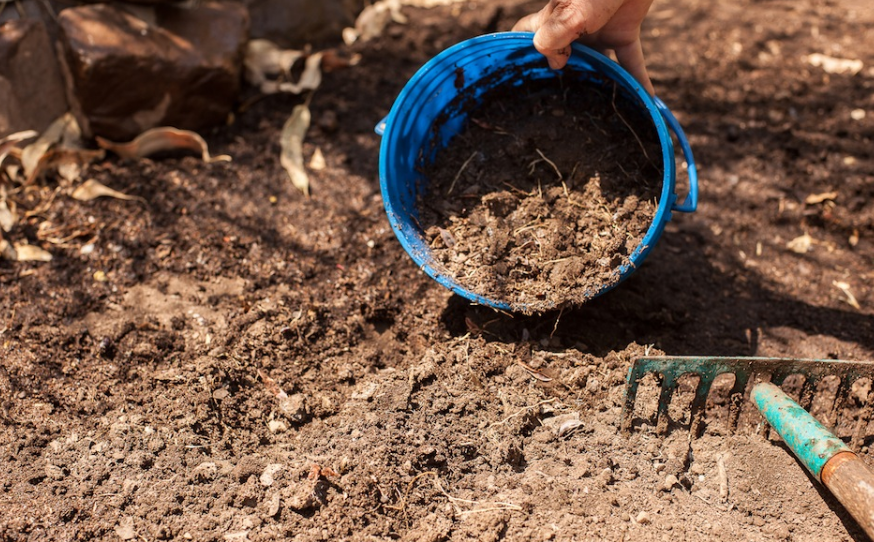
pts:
[143, 402]
[546, 193]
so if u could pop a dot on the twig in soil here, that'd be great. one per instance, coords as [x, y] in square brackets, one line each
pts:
[618, 114]
[551, 163]
[722, 476]
[526, 227]
[522, 411]
[515, 189]
[534, 372]
[272, 386]
[454, 500]
[460, 171]
[555, 327]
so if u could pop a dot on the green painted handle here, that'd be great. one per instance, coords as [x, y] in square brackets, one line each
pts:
[809, 440]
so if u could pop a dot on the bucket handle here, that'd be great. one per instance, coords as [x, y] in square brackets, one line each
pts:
[380, 126]
[691, 202]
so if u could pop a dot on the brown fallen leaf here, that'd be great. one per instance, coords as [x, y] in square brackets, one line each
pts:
[263, 58]
[161, 139]
[9, 142]
[68, 161]
[317, 162]
[813, 199]
[64, 130]
[92, 189]
[333, 60]
[291, 158]
[8, 217]
[310, 79]
[7, 251]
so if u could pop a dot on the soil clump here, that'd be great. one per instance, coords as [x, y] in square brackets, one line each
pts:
[547, 192]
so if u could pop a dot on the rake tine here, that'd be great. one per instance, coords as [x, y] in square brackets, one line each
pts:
[698, 404]
[840, 399]
[861, 426]
[668, 386]
[736, 397]
[630, 398]
[807, 391]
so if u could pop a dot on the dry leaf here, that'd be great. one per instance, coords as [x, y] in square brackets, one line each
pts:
[333, 61]
[292, 147]
[68, 162]
[9, 142]
[374, 18]
[92, 189]
[263, 58]
[64, 130]
[317, 162]
[8, 217]
[845, 288]
[160, 140]
[813, 199]
[7, 251]
[534, 372]
[31, 253]
[801, 244]
[831, 64]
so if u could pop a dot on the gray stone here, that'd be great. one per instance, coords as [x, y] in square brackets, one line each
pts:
[295, 23]
[31, 87]
[129, 75]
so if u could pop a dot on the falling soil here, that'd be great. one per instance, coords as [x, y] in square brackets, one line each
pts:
[544, 196]
[228, 360]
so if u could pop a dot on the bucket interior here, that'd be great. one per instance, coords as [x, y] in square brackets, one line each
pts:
[433, 108]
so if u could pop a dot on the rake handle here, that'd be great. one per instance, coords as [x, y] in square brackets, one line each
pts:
[843, 472]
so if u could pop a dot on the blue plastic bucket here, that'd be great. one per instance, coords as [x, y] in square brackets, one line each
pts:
[409, 133]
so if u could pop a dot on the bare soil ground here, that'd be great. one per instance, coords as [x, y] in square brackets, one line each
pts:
[140, 403]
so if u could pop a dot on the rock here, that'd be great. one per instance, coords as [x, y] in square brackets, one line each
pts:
[125, 529]
[643, 518]
[129, 76]
[31, 87]
[670, 482]
[294, 407]
[295, 23]
[268, 476]
[277, 426]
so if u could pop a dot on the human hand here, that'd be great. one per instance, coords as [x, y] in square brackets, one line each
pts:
[602, 24]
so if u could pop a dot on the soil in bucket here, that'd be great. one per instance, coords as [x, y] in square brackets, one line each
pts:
[545, 194]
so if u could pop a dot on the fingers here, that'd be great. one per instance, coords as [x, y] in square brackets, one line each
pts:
[559, 27]
[630, 56]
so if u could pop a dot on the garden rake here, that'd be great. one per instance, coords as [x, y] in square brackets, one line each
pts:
[747, 371]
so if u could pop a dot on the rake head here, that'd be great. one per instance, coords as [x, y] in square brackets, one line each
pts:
[669, 370]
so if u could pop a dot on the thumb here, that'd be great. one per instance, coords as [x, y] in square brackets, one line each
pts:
[558, 30]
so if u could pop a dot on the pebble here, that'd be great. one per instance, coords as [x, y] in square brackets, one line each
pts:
[670, 482]
[606, 476]
[643, 518]
[267, 477]
[277, 426]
